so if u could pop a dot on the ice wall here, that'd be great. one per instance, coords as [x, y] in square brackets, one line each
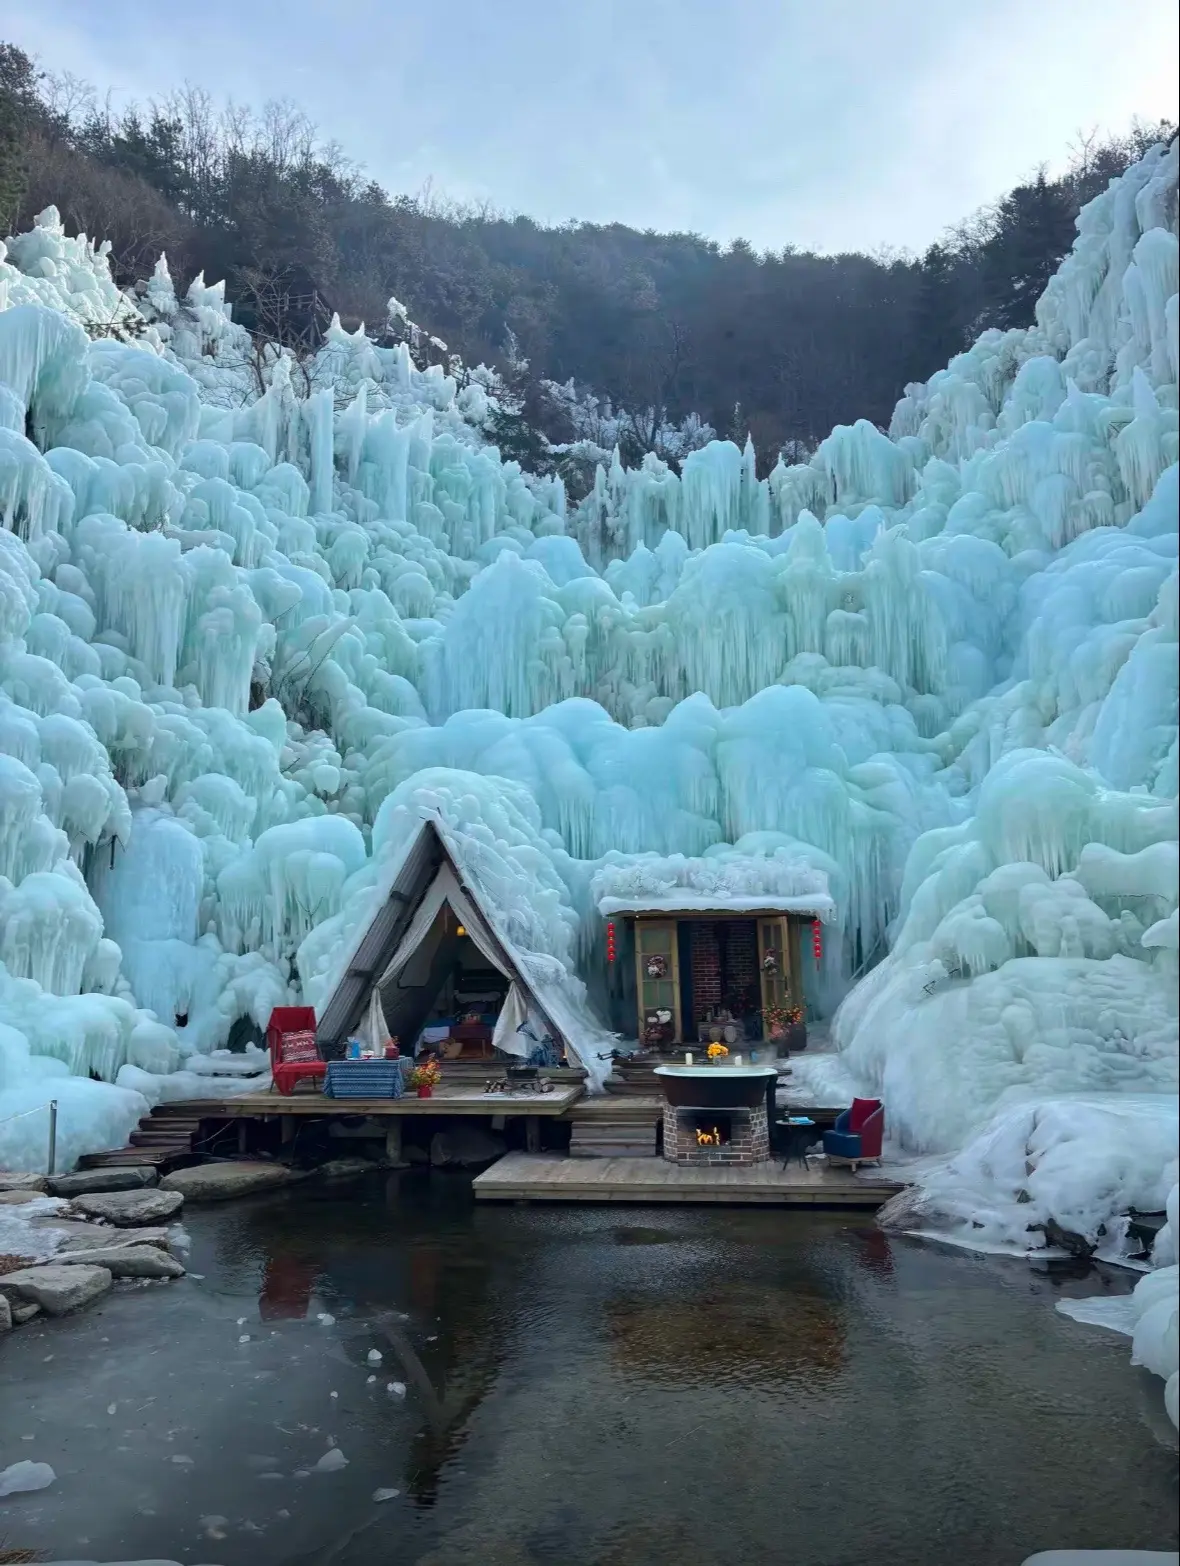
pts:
[245, 604]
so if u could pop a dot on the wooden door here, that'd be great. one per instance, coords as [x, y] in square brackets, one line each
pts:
[775, 961]
[657, 972]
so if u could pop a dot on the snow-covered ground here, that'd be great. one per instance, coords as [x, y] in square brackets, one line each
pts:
[247, 640]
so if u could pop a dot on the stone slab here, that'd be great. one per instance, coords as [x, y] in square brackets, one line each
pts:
[221, 1182]
[129, 1209]
[115, 1178]
[56, 1288]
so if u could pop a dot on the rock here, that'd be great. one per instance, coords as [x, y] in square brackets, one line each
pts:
[219, 1182]
[5, 1314]
[11, 1181]
[125, 1261]
[23, 1313]
[86, 1181]
[346, 1168]
[1066, 1239]
[89, 1237]
[464, 1146]
[129, 1209]
[21, 1198]
[57, 1288]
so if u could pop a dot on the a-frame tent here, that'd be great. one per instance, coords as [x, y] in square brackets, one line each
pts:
[428, 900]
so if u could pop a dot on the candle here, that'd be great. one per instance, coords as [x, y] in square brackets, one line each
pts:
[688, 1058]
[737, 1060]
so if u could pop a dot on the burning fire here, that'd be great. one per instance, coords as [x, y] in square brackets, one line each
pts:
[709, 1138]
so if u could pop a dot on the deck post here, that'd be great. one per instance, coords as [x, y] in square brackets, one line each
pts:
[532, 1134]
[393, 1144]
[242, 1129]
[287, 1128]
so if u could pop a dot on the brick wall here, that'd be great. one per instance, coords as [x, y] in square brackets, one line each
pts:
[749, 1141]
[706, 969]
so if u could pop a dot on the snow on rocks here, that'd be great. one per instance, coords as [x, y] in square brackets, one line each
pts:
[129, 1209]
[56, 1288]
[221, 1182]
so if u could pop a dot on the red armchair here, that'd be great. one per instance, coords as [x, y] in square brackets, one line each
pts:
[290, 1037]
[858, 1134]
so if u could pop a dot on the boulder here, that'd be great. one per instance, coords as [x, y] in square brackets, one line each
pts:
[89, 1237]
[129, 1209]
[464, 1146]
[11, 1181]
[125, 1261]
[23, 1313]
[56, 1288]
[347, 1168]
[220, 1182]
[86, 1181]
[21, 1198]
[5, 1314]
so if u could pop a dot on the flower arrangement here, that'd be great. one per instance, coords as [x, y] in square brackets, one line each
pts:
[427, 1075]
[770, 963]
[778, 1019]
[716, 1051]
[656, 967]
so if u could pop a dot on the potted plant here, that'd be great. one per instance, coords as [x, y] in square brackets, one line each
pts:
[425, 1078]
[785, 1026]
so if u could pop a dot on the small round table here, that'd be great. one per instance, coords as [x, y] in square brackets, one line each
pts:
[797, 1133]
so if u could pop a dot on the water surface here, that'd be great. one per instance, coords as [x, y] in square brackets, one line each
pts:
[583, 1387]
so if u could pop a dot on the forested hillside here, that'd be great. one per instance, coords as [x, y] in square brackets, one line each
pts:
[784, 345]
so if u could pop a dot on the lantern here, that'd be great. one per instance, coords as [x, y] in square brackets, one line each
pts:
[610, 940]
[817, 940]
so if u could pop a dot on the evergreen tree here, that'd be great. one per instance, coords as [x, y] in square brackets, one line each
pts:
[19, 106]
[1034, 229]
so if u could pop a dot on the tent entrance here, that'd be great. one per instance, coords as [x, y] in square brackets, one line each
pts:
[448, 994]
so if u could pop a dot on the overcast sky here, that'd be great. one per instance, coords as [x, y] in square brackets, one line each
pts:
[831, 124]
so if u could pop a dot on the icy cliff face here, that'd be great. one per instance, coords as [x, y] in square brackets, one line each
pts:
[245, 604]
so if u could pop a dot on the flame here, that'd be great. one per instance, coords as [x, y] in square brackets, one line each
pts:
[709, 1138]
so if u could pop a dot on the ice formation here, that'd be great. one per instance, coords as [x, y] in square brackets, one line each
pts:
[924, 682]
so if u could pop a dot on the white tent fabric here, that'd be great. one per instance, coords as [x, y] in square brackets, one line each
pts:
[445, 889]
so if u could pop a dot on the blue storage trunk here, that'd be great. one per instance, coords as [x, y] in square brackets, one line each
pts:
[364, 1079]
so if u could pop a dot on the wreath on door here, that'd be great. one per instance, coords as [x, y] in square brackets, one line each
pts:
[656, 967]
[770, 964]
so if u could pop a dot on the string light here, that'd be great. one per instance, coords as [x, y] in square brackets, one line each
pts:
[817, 940]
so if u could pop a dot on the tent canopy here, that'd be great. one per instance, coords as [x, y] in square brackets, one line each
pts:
[411, 939]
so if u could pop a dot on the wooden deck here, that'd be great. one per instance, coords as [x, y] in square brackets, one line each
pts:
[444, 1101]
[551, 1177]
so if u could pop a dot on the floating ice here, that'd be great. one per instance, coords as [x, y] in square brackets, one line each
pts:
[18, 1478]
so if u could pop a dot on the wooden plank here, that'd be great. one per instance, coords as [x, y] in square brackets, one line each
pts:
[245, 1106]
[552, 1177]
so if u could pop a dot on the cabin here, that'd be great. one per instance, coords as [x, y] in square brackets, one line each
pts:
[715, 968]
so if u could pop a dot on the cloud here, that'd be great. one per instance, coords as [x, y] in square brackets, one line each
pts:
[846, 125]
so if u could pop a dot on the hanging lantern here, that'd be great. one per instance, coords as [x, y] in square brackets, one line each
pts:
[817, 940]
[610, 940]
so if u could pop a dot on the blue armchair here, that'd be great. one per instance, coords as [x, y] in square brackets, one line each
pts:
[858, 1134]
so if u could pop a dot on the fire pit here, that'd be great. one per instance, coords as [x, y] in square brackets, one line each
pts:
[716, 1114]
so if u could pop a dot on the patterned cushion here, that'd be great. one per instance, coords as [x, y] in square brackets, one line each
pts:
[298, 1047]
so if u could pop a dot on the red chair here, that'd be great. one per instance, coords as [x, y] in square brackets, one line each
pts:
[290, 1037]
[858, 1134]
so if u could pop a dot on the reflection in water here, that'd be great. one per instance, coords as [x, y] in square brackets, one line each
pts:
[703, 1386]
[287, 1285]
